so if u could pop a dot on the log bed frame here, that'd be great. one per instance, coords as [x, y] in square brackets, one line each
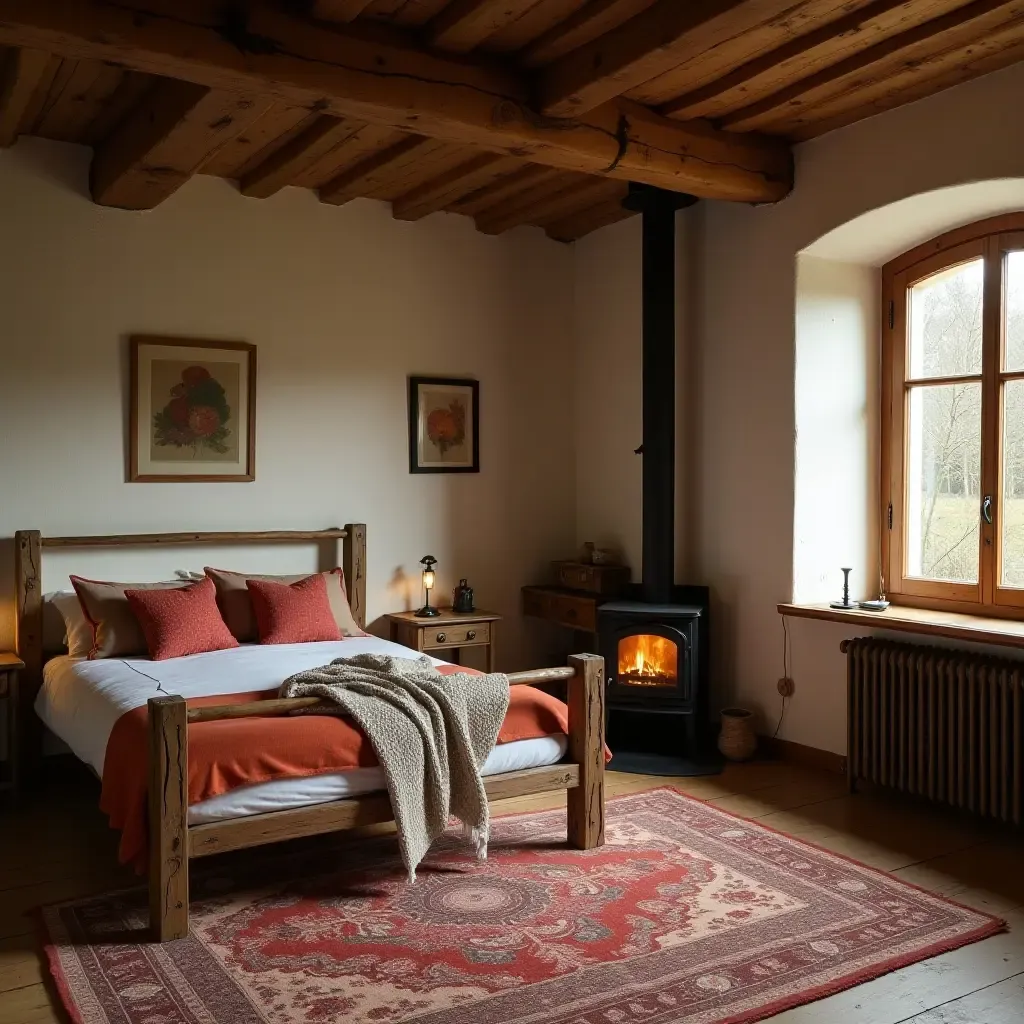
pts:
[173, 842]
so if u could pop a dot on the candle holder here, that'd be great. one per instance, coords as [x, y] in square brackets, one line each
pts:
[846, 604]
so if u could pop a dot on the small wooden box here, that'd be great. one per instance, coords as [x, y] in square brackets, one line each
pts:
[596, 579]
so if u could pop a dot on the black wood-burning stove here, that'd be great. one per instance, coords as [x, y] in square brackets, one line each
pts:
[655, 643]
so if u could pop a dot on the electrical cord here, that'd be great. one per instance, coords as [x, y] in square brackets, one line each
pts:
[785, 672]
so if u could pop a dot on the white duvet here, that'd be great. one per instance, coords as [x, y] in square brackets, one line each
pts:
[81, 700]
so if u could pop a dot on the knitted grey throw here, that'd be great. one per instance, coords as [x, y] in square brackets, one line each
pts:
[431, 733]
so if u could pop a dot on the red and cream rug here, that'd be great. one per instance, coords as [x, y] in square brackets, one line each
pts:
[687, 915]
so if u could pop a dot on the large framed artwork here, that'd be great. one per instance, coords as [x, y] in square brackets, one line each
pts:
[444, 425]
[192, 410]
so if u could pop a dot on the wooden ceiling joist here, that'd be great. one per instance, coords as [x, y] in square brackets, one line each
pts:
[338, 10]
[492, 195]
[728, 89]
[20, 75]
[281, 166]
[340, 72]
[464, 24]
[165, 141]
[518, 208]
[371, 173]
[581, 223]
[652, 42]
[986, 14]
[593, 19]
[446, 188]
[570, 198]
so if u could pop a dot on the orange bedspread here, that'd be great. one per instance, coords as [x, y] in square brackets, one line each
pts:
[231, 753]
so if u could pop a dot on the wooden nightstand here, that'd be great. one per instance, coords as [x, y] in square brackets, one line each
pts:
[449, 631]
[10, 666]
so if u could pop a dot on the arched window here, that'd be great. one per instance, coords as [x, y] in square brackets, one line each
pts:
[953, 421]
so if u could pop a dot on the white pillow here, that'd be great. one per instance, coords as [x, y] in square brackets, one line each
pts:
[77, 628]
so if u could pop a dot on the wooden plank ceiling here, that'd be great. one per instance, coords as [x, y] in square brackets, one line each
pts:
[508, 111]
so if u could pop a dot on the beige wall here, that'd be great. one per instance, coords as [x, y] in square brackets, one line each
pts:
[343, 303]
[747, 417]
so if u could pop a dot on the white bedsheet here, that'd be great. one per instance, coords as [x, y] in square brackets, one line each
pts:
[81, 700]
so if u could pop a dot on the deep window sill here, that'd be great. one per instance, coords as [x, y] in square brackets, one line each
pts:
[953, 625]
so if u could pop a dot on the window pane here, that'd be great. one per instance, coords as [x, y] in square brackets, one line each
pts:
[1014, 311]
[945, 322]
[943, 482]
[1012, 519]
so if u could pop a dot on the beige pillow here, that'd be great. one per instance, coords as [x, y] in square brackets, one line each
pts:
[236, 605]
[115, 630]
[76, 630]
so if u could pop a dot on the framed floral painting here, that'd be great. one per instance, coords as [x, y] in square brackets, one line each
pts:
[193, 410]
[444, 425]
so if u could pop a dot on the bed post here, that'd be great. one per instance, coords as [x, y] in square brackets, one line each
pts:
[28, 576]
[168, 818]
[353, 565]
[586, 748]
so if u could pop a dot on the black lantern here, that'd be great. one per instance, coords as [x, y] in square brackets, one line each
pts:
[428, 562]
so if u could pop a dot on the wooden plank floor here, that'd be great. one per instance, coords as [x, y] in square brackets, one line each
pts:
[58, 847]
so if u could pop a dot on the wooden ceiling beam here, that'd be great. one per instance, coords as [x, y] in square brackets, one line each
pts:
[163, 143]
[342, 11]
[519, 207]
[20, 76]
[439, 192]
[569, 199]
[281, 166]
[374, 78]
[491, 195]
[654, 41]
[464, 24]
[372, 172]
[576, 225]
[705, 100]
[593, 19]
[811, 89]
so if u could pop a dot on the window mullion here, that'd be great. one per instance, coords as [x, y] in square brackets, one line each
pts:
[991, 342]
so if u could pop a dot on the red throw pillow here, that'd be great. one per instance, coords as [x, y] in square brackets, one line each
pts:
[293, 613]
[182, 621]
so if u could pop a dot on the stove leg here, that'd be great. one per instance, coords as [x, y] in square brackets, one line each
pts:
[692, 736]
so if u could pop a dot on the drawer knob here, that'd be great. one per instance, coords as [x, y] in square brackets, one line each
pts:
[441, 637]
[471, 634]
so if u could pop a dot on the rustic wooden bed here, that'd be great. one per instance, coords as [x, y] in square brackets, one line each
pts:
[173, 842]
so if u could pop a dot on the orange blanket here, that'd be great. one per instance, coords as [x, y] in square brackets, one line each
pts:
[231, 753]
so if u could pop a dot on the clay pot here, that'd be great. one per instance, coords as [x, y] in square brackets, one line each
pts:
[737, 740]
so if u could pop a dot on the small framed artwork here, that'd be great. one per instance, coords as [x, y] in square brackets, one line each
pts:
[192, 411]
[444, 425]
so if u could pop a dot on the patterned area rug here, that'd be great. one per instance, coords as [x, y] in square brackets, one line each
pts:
[688, 915]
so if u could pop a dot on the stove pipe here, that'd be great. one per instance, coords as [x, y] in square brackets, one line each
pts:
[658, 209]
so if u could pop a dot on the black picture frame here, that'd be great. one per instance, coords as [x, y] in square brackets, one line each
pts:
[419, 416]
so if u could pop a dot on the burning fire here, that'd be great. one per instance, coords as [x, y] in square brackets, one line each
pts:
[648, 659]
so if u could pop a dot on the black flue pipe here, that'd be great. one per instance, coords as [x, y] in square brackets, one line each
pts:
[658, 210]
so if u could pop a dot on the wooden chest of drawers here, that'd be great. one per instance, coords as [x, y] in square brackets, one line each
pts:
[575, 610]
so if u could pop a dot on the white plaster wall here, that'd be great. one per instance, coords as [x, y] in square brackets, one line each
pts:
[836, 409]
[342, 303]
[747, 424]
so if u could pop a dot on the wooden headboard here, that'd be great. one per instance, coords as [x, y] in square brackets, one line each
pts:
[28, 548]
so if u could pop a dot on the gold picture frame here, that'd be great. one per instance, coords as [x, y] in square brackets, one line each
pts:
[192, 412]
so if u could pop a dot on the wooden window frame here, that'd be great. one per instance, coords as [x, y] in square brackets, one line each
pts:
[989, 239]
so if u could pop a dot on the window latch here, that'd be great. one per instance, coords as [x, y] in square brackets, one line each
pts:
[986, 509]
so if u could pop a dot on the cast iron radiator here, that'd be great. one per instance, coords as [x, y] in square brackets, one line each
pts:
[942, 724]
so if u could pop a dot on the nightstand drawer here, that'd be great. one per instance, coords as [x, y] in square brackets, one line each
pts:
[456, 636]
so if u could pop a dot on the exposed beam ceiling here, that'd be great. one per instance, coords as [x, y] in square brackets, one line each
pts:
[387, 81]
[20, 75]
[653, 41]
[452, 185]
[464, 24]
[159, 147]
